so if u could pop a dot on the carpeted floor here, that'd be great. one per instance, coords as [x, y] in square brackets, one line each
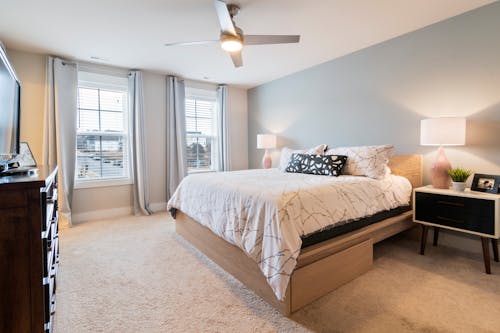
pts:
[135, 275]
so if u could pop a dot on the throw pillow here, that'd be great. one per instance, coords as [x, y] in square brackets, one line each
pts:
[286, 154]
[328, 165]
[369, 161]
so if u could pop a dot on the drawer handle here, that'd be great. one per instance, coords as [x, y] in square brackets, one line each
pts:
[449, 219]
[458, 204]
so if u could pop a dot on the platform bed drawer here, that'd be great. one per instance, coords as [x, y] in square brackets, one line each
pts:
[338, 269]
[467, 213]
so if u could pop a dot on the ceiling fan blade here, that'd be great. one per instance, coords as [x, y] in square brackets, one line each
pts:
[225, 21]
[236, 58]
[270, 39]
[199, 42]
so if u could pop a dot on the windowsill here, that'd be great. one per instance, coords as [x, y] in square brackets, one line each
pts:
[200, 171]
[81, 184]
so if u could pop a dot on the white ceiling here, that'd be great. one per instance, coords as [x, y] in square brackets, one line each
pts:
[131, 33]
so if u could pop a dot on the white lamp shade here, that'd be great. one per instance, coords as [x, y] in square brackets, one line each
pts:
[448, 131]
[266, 141]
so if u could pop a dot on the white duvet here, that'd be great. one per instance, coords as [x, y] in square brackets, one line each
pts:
[265, 212]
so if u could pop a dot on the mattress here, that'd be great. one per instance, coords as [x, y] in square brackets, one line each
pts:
[267, 212]
[348, 226]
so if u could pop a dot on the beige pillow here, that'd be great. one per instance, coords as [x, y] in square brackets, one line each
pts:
[369, 161]
[286, 154]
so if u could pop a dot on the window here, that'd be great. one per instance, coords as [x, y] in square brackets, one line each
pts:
[201, 130]
[102, 153]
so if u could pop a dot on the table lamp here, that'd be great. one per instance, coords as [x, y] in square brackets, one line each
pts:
[266, 141]
[449, 131]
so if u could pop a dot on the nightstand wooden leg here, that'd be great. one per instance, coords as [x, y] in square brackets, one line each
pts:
[423, 240]
[436, 236]
[494, 244]
[486, 254]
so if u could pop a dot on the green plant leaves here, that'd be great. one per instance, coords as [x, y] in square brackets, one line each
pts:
[459, 174]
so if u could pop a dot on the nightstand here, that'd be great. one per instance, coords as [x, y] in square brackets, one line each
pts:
[469, 212]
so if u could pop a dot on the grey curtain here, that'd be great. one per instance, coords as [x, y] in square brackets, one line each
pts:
[60, 128]
[176, 134]
[223, 146]
[140, 167]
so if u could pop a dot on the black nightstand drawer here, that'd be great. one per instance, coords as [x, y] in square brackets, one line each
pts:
[459, 212]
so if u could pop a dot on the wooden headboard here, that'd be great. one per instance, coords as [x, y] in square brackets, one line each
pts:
[409, 166]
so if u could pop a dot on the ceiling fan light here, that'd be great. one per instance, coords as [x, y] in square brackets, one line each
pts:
[231, 44]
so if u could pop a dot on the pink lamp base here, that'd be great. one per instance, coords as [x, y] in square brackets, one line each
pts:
[439, 170]
[267, 161]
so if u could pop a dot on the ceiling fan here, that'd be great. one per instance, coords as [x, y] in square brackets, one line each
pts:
[232, 38]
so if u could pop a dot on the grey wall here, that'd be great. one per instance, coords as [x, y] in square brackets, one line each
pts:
[379, 94]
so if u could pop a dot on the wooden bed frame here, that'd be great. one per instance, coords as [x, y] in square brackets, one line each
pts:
[321, 267]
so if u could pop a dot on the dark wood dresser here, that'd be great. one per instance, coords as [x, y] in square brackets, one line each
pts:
[29, 251]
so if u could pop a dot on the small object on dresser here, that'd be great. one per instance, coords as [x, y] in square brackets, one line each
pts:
[486, 183]
[25, 157]
[458, 178]
[23, 164]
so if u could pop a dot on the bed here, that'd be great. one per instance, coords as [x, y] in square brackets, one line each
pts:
[273, 263]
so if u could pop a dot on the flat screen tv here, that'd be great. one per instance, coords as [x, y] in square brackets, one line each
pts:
[10, 93]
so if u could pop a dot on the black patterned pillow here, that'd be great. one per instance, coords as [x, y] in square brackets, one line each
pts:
[328, 165]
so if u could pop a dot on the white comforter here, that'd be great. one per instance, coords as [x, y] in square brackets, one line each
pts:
[265, 212]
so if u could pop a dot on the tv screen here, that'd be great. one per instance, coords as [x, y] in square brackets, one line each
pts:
[9, 108]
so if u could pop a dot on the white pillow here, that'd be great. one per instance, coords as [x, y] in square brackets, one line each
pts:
[286, 154]
[369, 161]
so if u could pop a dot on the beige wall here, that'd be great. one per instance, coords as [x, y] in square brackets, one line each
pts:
[91, 203]
[238, 130]
[86, 200]
[30, 69]
[155, 109]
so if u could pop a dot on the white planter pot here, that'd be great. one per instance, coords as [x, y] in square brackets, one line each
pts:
[458, 186]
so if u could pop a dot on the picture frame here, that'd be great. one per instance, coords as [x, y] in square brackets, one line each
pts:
[486, 183]
[25, 157]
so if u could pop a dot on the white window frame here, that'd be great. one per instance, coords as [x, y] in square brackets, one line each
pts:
[211, 96]
[113, 83]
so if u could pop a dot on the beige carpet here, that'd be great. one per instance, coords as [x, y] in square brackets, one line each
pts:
[135, 275]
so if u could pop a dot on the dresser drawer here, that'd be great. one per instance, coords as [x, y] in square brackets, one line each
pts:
[54, 259]
[49, 296]
[48, 214]
[47, 258]
[471, 214]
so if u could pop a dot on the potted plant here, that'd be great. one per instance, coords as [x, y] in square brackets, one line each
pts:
[458, 178]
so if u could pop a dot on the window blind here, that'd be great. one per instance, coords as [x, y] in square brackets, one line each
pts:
[201, 133]
[102, 139]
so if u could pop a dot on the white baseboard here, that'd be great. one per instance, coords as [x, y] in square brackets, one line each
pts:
[158, 206]
[101, 214]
